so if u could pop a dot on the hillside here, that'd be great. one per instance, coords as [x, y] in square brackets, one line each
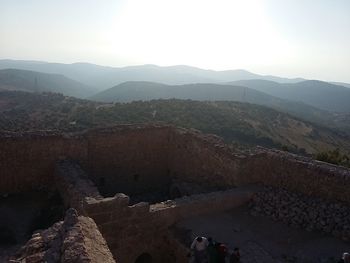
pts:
[102, 77]
[319, 94]
[141, 90]
[241, 123]
[31, 81]
[137, 90]
[346, 85]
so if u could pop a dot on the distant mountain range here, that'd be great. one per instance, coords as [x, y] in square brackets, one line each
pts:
[31, 81]
[101, 77]
[316, 93]
[316, 101]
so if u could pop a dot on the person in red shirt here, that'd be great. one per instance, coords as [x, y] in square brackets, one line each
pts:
[222, 252]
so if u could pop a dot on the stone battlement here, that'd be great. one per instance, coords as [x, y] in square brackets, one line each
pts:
[139, 158]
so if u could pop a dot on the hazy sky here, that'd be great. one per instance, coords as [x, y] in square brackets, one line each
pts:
[304, 38]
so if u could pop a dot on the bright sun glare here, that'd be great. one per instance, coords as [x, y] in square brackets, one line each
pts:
[214, 34]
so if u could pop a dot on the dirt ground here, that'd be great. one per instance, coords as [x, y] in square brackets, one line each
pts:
[262, 240]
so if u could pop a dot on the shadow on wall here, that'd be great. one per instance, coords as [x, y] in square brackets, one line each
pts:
[22, 214]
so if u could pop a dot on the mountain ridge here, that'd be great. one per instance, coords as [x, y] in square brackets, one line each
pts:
[320, 94]
[135, 90]
[33, 81]
[102, 77]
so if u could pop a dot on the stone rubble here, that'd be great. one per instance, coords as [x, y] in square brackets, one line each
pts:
[66, 242]
[303, 211]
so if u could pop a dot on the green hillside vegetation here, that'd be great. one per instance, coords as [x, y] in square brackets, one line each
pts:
[31, 81]
[140, 90]
[334, 157]
[236, 122]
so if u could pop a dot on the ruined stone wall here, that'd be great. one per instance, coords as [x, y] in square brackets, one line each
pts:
[298, 174]
[129, 160]
[203, 159]
[136, 159]
[207, 160]
[74, 185]
[27, 161]
[141, 228]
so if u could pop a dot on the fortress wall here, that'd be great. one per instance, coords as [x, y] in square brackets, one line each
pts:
[130, 230]
[129, 160]
[298, 174]
[173, 211]
[74, 185]
[203, 159]
[206, 160]
[27, 162]
[135, 159]
[146, 227]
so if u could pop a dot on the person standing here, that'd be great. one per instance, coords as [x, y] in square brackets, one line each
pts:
[212, 251]
[222, 252]
[345, 258]
[235, 256]
[199, 246]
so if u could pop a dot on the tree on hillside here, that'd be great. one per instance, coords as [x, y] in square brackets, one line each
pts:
[334, 157]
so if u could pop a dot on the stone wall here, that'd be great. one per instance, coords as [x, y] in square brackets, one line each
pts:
[74, 185]
[27, 160]
[136, 159]
[125, 158]
[203, 159]
[301, 211]
[131, 160]
[143, 228]
[297, 174]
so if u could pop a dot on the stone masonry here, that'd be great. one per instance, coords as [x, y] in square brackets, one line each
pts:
[301, 211]
[126, 227]
[96, 171]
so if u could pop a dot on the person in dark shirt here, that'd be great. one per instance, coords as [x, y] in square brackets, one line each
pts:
[212, 251]
[235, 256]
